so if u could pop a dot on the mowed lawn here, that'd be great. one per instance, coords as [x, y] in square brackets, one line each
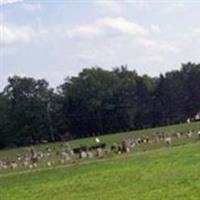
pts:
[167, 173]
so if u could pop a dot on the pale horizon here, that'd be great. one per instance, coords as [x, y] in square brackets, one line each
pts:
[44, 39]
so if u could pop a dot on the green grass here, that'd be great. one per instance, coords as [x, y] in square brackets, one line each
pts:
[166, 173]
[108, 139]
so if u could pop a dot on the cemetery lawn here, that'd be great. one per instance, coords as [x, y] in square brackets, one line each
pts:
[161, 174]
[112, 138]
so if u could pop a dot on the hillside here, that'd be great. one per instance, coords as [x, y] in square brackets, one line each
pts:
[108, 139]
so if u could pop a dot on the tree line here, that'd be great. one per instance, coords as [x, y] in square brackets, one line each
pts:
[95, 102]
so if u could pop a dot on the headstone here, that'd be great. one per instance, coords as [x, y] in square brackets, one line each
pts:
[168, 141]
[100, 153]
[65, 156]
[90, 154]
[83, 154]
[178, 135]
[198, 133]
[190, 134]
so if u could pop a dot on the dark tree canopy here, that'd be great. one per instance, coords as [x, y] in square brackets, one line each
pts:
[95, 102]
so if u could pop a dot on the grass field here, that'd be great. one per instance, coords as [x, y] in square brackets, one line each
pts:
[166, 173]
[150, 172]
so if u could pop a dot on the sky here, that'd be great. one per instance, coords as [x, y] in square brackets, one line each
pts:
[54, 39]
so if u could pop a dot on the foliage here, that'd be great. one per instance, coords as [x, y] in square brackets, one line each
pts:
[96, 102]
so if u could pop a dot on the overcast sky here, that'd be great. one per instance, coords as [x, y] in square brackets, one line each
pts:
[53, 39]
